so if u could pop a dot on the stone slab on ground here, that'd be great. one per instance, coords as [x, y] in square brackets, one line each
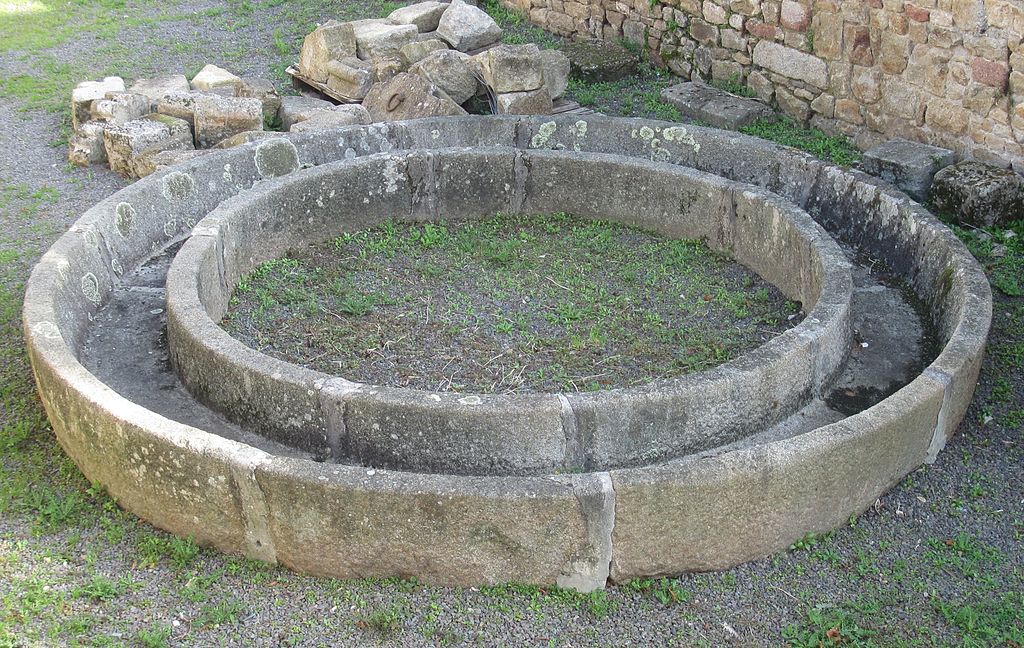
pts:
[212, 77]
[344, 115]
[595, 61]
[217, 118]
[466, 27]
[86, 92]
[159, 87]
[329, 42]
[298, 108]
[716, 107]
[911, 166]
[408, 96]
[125, 141]
[979, 194]
[424, 15]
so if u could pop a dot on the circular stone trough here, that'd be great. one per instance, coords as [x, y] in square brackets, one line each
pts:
[692, 495]
[481, 434]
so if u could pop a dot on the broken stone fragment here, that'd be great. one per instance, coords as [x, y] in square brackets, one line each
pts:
[298, 108]
[123, 142]
[350, 77]
[408, 96]
[159, 87]
[262, 89]
[345, 115]
[534, 102]
[86, 92]
[466, 27]
[978, 194]
[376, 39]
[245, 138]
[450, 71]
[511, 68]
[212, 77]
[386, 67]
[329, 42]
[179, 104]
[416, 51]
[217, 118]
[86, 147]
[121, 107]
[151, 161]
[424, 15]
[555, 66]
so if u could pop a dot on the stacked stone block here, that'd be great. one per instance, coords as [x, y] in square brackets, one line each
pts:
[945, 72]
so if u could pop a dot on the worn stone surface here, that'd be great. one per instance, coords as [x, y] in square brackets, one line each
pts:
[352, 77]
[791, 63]
[161, 86]
[124, 141]
[244, 138]
[86, 92]
[344, 115]
[212, 77]
[329, 42]
[86, 147]
[416, 51]
[152, 160]
[534, 102]
[555, 67]
[424, 15]
[595, 61]
[908, 165]
[217, 118]
[408, 96]
[376, 39]
[511, 68]
[706, 103]
[262, 89]
[451, 72]
[466, 27]
[179, 104]
[121, 107]
[296, 108]
[979, 194]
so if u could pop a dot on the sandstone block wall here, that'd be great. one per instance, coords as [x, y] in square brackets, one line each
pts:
[945, 72]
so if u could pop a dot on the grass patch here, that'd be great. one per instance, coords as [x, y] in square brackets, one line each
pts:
[837, 150]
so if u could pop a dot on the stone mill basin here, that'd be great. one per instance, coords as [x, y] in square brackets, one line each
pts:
[202, 436]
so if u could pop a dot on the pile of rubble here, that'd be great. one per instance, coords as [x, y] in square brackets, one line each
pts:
[430, 59]
[426, 59]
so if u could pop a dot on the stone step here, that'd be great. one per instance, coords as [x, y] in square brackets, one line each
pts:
[718, 108]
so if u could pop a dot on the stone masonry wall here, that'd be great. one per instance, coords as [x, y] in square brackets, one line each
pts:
[945, 72]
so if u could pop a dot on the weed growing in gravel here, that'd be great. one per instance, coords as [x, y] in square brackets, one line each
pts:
[835, 149]
[156, 635]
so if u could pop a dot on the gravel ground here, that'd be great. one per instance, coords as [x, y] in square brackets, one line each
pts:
[936, 561]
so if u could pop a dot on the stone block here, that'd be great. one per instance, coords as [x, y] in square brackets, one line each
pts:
[150, 161]
[791, 63]
[408, 96]
[555, 67]
[159, 87]
[217, 118]
[297, 108]
[910, 166]
[700, 101]
[125, 141]
[85, 147]
[534, 102]
[386, 68]
[86, 92]
[979, 194]
[330, 42]
[262, 89]
[511, 68]
[416, 51]
[466, 27]
[594, 61]
[179, 104]
[451, 72]
[344, 115]
[212, 77]
[376, 39]
[245, 138]
[350, 77]
[121, 107]
[425, 16]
